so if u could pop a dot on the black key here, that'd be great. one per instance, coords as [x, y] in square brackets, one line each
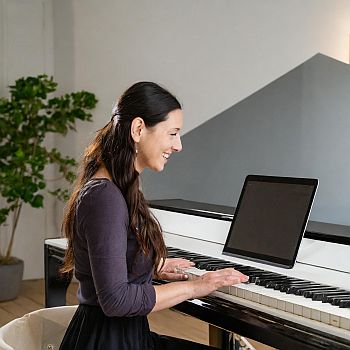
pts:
[200, 262]
[263, 273]
[258, 275]
[212, 266]
[264, 281]
[292, 284]
[329, 298]
[314, 293]
[177, 251]
[275, 284]
[302, 291]
[247, 269]
[192, 255]
[224, 265]
[203, 263]
[185, 255]
[337, 301]
[267, 274]
[253, 278]
[285, 284]
[204, 259]
[344, 303]
[302, 286]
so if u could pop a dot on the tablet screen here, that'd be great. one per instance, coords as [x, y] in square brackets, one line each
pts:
[270, 219]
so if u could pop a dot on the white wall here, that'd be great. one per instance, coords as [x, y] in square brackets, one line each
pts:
[26, 49]
[211, 54]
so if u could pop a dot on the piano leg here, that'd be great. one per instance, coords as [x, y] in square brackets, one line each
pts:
[55, 284]
[223, 339]
[226, 340]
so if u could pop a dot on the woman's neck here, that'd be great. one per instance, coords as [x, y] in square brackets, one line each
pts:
[102, 172]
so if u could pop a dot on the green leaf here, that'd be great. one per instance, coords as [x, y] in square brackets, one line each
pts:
[37, 201]
[19, 153]
[27, 196]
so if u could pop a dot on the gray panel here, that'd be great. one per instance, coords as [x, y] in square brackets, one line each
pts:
[299, 125]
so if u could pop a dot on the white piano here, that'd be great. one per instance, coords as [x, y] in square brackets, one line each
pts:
[285, 321]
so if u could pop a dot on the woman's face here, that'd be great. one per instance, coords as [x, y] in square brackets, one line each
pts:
[157, 143]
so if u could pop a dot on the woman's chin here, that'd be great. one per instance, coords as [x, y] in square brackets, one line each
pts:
[159, 168]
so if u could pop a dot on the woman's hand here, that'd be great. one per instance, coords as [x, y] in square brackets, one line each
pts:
[170, 294]
[213, 280]
[172, 269]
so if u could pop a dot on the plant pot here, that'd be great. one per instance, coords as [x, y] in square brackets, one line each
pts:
[10, 279]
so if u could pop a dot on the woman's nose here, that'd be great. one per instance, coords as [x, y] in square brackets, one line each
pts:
[177, 147]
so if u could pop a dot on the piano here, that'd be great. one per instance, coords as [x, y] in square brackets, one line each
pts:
[260, 311]
[310, 310]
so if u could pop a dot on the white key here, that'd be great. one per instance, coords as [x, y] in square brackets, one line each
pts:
[306, 312]
[289, 307]
[335, 320]
[256, 297]
[281, 305]
[273, 303]
[248, 295]
[297, 310]
[325, 318]
[240, 293]
[316, 315]
[345, 323]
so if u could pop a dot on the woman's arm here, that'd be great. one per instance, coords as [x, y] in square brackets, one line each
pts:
[170, 294]
[103, 221]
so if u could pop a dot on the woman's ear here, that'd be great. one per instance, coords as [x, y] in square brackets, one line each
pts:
[137, 125]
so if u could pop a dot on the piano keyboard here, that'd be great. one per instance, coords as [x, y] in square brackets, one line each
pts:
[323, 303]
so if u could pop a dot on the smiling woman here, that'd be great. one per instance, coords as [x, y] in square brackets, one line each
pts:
[114, 242]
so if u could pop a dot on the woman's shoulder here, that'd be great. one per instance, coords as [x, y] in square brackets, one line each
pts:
[99, 190]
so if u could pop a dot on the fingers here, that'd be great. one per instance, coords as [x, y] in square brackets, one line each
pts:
[170, 276]
[231, 280]
[176, 265]
[234, 273]
[227, 276]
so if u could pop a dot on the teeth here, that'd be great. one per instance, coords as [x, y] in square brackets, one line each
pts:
[165, 155]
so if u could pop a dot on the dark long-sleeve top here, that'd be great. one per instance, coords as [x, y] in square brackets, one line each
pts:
[111, 270]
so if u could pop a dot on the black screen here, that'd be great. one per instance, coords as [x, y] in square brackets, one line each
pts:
[270, 219]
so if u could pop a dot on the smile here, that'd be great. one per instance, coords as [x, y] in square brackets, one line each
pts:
[166, 155]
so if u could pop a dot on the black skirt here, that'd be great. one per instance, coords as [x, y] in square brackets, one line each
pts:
[91, 329]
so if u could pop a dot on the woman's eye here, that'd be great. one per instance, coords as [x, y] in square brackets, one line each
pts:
[174, 134]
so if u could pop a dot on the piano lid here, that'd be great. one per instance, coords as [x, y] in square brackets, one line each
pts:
[315, 230]
[208, 210]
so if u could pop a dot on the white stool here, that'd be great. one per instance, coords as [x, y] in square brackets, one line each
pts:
[39, 330]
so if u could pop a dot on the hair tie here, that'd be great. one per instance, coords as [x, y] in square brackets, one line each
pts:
[115, 114]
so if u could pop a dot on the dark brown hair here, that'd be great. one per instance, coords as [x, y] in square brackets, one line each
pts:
[114, 148]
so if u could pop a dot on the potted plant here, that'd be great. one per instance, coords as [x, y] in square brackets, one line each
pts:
[26, 118]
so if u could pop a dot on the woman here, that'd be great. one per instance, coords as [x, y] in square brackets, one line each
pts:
[114, 242]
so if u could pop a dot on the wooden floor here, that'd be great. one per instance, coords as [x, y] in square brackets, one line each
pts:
[167, 322]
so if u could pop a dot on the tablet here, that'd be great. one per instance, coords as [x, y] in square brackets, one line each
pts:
[270, 219]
